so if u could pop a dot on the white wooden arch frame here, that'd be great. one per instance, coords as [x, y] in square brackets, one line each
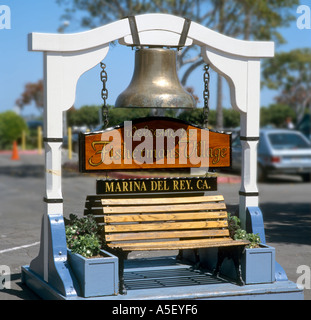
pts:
[68, 56]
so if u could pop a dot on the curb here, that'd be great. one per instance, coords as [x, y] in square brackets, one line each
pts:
[9, 152]
[228, 179]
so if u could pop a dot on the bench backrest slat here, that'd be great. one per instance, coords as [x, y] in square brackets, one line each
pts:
[164, 216]
[168, 200]
[164, 208]
[166, 226]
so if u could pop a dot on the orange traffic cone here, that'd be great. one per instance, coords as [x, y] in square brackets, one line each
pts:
[15, 155]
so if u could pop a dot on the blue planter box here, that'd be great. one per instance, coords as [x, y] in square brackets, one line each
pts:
[258, 264]
[96, 276]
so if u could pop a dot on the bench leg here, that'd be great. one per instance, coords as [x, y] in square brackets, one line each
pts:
[197, 259]
[179, 257]
[197, 263]
[220, 258]
[237, 253]
[233, 253]
[122, 256]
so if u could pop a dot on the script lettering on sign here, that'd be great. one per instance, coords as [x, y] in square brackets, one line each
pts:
[154, 143]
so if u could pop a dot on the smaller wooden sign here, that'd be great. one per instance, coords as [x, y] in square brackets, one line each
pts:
[117, 186]
[154, 143]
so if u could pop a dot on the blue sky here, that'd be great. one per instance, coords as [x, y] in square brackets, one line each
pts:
[19, 66]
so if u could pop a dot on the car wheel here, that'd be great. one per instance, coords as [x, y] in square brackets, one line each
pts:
[306, 177]
[261, 173]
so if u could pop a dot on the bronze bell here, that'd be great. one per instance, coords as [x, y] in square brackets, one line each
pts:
[155, 83]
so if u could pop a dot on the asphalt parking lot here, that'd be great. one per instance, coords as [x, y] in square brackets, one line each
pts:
[285, 203]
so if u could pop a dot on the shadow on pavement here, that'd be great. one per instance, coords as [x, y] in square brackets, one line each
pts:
[283, 179]
[34, 171]
[287, 222]
[19, 290]
[23, 171]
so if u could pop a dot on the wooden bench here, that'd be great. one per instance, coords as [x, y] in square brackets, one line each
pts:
[164, 223]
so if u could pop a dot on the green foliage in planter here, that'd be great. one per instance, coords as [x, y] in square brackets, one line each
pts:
[82, 235]
[254, 240]
[234, 224]
[239, 234]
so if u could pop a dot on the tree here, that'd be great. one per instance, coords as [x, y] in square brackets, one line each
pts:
[249, 20]
[290, 73]
[33, 92]
[276, 115]
[98, 12]
[261, 19]
[119, 115]
[11, 128]
[89, 115]
[231, 118]
[85, 116]
[196, 117]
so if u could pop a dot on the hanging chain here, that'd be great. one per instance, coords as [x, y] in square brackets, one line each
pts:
[206, 78]
[104, 94]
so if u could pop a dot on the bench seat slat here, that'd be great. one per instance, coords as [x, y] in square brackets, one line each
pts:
[165, 208]
[165, 216]
[165, 226]
[180, 244]
[167, 200]
[166, 235]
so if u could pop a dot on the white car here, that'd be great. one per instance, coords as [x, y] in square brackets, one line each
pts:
[280, 151]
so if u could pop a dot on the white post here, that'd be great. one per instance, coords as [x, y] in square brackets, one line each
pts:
[249, 136]
[61, 73]
[243, 75]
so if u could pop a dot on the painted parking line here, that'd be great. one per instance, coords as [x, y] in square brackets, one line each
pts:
[20, 247]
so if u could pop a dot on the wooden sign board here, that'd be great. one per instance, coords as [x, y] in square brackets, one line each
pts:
[154, 143]
[117, 186]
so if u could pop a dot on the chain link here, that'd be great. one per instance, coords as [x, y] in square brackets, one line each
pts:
[206, 95]
[104, 94]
